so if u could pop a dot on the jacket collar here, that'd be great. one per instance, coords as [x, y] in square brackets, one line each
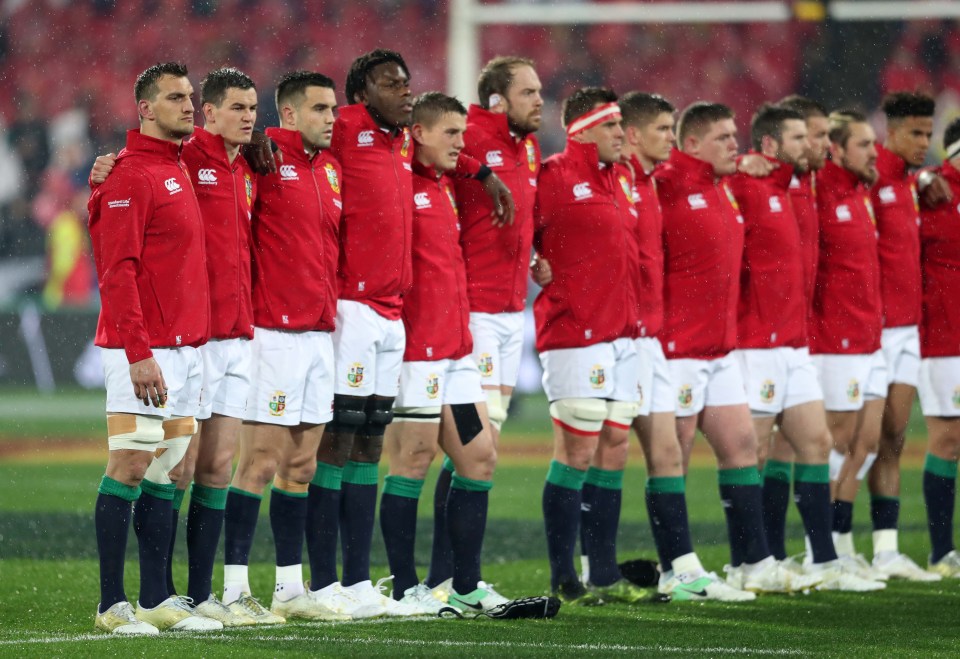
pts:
[426, 171]
[290, 141]
[492, 122]
[692, 169]
[212, 145]
[949, 172]
[890, 165]
[843, 180]
[782, 175]
[137, 142]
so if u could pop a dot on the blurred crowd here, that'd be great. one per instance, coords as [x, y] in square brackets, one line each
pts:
[69, 67]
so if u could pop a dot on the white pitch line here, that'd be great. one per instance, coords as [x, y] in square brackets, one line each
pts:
[401, 642]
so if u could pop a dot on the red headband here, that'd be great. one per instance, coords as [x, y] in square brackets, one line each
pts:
[593, 118]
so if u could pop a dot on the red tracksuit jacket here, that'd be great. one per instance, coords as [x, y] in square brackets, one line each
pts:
[703, 247]
[772, 311]
[940, 250]
[650, 244]
[803, 197]
[225, 192]
[497, 257]
[296, 225]
[581, 223]
[897, 207]
[436, 309]
[148, 244]
[847, 309]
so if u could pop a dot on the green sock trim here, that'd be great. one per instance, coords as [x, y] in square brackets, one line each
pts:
[361, 473]
[566, 476]
[402, 486]
[741, 476]
[774, 469]
[244, 493]
[178, 499]
[469, 484]
[606, 478]
[940, 467]
[165, 491]
[880, 497]
[811, 473]
[329, 477]
[447, 464]
[114, 488]
[666, 485]
[214, 498]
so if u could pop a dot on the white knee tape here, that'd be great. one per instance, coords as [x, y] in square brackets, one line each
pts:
[417, 414]
[495, 409]
[836, 461]
[621, 412]
[583, 414]
[134, 432]
[160, 467]
[867, 463]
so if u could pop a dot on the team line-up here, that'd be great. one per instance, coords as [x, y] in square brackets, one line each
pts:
[352, 283]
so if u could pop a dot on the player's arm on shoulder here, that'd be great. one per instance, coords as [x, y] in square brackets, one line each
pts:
[933, 188]
[540, 271]
[259, 153]
[496, 189]
[101, 169]
[755, 165]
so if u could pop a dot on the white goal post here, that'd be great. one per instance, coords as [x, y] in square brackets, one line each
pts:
[467, 17]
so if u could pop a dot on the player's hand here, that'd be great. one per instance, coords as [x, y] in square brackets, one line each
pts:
[102, 167]
[148, 383]
[935, 192]
[503, 206]
[540, 271]
[755, 165]
[259, 153]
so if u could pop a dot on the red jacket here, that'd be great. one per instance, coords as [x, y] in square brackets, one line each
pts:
[847, 309]
[940, 251]
[497, 257]
[581, 224]
[772, 311]
[803, 198]
[436, 310]
[703, 247]
[897, 207]
[225, 192]
[650, 244]
[147, 238]
[296, 226]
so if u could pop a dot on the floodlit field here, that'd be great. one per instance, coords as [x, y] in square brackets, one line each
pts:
[50, 464]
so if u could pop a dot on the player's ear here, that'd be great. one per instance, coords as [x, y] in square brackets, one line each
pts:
[416, 130]
[144, 109]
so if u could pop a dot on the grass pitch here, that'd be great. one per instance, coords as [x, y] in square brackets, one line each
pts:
[48, 574]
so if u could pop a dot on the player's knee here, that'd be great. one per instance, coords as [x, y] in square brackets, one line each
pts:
[583, 415]
[214, 470]
[666, 459]
[349, 415]
[379, 414]
[621, 414]
[366, 448]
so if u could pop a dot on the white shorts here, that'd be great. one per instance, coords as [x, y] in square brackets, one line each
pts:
[182, 370]
[442, 382]
[654, 385]
[699, 383]
[226, 378]
[291, 377]
[369, 351]
[901, 352]
[849, 380]
[778, 378]
[603, 370]
[497, 346]
[940, 386]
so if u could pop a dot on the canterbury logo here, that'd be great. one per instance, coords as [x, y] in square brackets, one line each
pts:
[289, 173]
[172, 185]
[365, 138]
[494, 158]
[582, 191]
[207, 176]
[696, 201]
[422, 200]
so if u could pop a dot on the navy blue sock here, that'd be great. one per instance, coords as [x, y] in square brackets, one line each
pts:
[323, 524]
[174, 524]
[358, 510]
[669, 522]
[776, 500]
[441, 555]
[587, 500]
[601, 523]
[467, 523]
[204, 524]
[288, 520]
[112, 523]
[811, 487]
[743, 506]
[842, 516]
[398, 523]
[152, 516]
[561, 517]
[884, 512]
[240, 523]
[940, 493]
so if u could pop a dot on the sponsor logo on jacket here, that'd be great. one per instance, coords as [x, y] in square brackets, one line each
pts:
[365, 138]
[494, 158]
[422, 200]
[582, 191]
[289, 173]
[207, 176]
[172, 185]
